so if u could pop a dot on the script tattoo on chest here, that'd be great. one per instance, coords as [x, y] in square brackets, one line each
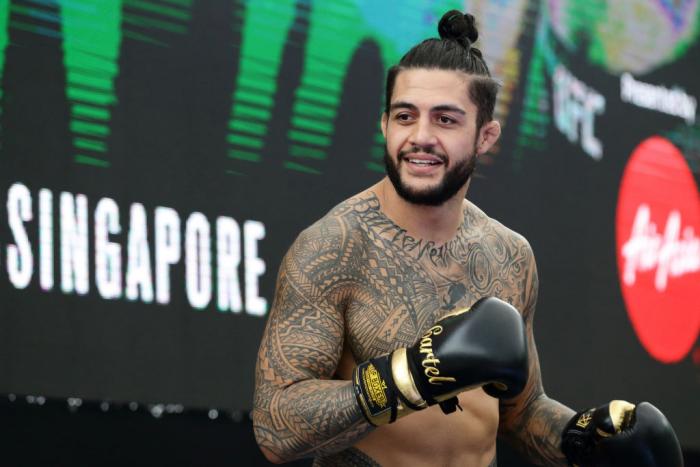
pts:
[404, 284]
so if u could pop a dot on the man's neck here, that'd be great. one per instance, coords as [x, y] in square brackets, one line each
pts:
[432, 223]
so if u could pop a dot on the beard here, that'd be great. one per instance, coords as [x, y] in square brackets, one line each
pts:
[451, 182]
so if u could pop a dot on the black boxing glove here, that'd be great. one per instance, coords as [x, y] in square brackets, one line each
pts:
[484, 345]
[621, 434]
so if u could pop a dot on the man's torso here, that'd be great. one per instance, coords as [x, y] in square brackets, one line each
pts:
[393, 288]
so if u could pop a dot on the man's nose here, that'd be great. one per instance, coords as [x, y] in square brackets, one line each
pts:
[423, 134]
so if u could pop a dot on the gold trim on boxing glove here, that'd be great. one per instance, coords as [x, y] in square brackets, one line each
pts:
[456, 313]
[403, 379]
[403, 410]
[585, 419]
[620, 415]
[373, 385]
[430, 363]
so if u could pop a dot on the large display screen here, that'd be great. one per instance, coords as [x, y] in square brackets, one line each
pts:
[158, 157]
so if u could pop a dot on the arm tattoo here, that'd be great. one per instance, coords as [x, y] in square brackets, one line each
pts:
[349, 458]
[298, 410]
[532, 422]
[357, 279]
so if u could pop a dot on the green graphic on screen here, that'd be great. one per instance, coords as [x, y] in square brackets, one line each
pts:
[336, 30]
[626, 35]
[91, 43]
[92, 39]
[618, 36]
[91, 35]
[142, 17]
[3, 37]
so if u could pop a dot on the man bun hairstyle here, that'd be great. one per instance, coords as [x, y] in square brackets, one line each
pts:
[453, 51]
[458, 26]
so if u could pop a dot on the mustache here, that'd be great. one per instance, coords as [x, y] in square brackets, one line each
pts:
[426, 150]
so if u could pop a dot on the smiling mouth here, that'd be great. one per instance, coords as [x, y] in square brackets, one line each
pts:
[422, 161]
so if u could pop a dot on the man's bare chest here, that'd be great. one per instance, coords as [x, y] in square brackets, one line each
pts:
[393, 301]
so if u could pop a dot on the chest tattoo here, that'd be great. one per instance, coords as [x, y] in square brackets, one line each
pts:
[404, 284]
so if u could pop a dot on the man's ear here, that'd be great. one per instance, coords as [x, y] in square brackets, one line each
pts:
[385, 121]
[488, 135]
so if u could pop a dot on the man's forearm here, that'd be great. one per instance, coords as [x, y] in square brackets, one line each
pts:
[536, 432]
[309, 418]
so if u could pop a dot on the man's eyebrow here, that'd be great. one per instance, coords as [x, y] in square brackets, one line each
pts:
[402, 105]
[437, 108]
[448, 108]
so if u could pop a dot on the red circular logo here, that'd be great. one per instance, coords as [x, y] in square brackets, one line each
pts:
[658, 249]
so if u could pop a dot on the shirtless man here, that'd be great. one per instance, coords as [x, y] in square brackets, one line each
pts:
[377, 273]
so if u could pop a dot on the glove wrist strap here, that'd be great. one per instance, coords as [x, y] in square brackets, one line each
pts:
[577, 438]
[375, 391]
[407, 390]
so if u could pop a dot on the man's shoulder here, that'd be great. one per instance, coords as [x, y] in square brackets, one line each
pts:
[490, 228]
[345, 217]
[340, 223]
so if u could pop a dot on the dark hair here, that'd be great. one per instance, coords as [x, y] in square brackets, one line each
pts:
[453, 51]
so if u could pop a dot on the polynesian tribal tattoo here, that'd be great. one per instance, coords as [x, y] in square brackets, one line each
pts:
[349, 458]
[356, 280]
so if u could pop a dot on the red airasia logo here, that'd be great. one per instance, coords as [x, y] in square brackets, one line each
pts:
[658, 249]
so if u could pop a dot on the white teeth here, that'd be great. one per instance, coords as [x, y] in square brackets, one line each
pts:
[422, 162]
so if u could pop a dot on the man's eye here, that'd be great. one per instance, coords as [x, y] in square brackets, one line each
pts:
[445, 119]
[403, 117]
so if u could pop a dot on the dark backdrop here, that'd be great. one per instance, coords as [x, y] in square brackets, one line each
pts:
[266, 114]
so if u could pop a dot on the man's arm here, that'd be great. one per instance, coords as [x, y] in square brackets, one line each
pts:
[298, 410]
[532, 422]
